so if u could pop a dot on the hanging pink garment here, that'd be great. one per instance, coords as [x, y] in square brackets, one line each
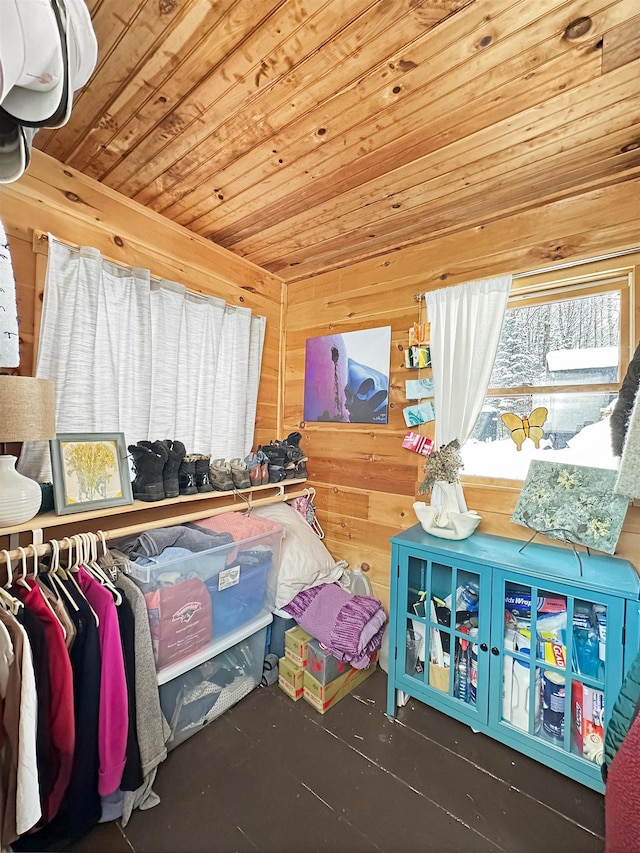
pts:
[113, 716]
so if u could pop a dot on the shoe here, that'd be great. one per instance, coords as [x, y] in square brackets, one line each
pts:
[240, 473]
[187, 475]
[300, 471]
[264, 467]
[170, 478]
[220, 474]
[275, 453]
[277, 473]
[254, 469]
[149, 460]
[203, 474]
[293, 439]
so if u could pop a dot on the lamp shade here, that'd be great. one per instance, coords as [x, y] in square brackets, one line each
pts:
[27, 408]
[27, 413]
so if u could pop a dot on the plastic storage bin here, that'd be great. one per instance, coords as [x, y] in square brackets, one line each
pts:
[195, 599]
[191, 700]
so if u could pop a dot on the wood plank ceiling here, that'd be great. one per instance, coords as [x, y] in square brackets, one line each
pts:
[305, 135]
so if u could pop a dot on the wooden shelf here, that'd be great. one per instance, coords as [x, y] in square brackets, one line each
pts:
[141, 515]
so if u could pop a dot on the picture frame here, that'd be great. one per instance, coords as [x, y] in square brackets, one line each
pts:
[90, 471]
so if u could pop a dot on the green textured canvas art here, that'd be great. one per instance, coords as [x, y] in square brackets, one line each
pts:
[574, 503]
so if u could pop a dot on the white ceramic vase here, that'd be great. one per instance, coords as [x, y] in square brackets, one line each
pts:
[20, 497]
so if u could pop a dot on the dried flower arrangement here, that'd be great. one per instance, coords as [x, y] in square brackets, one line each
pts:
[442, 465]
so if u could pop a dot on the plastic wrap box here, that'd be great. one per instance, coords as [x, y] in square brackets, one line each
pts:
[204, 596]
[191, 699]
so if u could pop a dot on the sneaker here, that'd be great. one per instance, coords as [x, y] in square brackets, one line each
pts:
[240, 473]
[220, 475]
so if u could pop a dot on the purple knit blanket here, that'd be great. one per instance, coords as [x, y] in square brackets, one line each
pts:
[351, 626]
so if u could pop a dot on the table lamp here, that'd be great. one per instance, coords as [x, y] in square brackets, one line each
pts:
[27, 413]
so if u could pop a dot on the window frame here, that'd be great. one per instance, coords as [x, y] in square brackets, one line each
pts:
[556, 285]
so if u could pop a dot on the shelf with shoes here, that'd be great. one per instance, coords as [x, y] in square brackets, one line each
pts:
[144, 515]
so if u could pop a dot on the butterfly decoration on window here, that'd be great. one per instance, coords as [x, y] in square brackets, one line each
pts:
[526, 426]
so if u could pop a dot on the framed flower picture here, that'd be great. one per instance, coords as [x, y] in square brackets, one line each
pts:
[90, 471]
[574, 503]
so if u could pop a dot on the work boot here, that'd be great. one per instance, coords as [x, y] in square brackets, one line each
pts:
[187, 475]
[240, 473]
[254, 468]
[170, 475]
[203, 475]
[220, 474]
[149, 462]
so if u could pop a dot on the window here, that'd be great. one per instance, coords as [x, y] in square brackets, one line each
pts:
[564, 348]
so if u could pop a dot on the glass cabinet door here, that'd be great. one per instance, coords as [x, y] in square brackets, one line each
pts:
[555, 664]
[444, 617]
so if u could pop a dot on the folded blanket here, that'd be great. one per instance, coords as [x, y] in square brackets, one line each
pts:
[351, 626]
[152, 543]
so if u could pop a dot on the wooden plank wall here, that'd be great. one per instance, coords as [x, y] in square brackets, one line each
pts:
[76, 209]
[366, 482]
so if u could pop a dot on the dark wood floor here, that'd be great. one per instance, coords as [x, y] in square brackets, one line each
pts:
[274, 776]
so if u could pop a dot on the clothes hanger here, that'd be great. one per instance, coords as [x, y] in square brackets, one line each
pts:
[22, 577]
[12, 603]
[90, 564]
[72, 570]
[56, 580]
[22, 580]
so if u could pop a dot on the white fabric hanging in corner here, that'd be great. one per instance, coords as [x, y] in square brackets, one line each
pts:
[465, 322]
[9, 340]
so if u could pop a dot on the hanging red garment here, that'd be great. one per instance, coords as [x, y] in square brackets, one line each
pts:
[61, 711]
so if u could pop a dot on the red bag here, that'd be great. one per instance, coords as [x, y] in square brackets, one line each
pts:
[180, 620]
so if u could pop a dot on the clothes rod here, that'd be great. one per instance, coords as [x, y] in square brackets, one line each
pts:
[133, 529]
[567, 265]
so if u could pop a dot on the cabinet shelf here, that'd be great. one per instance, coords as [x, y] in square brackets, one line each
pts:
[508, 638]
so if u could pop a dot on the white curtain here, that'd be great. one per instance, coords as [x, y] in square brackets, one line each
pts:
[465, 324]
[144, 357]
[9, 340]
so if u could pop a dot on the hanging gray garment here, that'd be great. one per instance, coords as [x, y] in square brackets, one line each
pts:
[152, 728]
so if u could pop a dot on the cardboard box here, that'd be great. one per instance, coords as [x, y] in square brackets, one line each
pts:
[295, 645]
[321, 664]
[291, 678]
[325, 696]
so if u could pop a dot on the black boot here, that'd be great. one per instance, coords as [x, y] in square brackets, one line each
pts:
[149, 463]
[203, 478]
[187, 475]
[293, 439]
[170, 478]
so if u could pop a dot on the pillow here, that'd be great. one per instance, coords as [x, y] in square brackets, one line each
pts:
[305, 561]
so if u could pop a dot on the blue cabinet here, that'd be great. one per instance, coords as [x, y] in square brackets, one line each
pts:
[527, 643]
